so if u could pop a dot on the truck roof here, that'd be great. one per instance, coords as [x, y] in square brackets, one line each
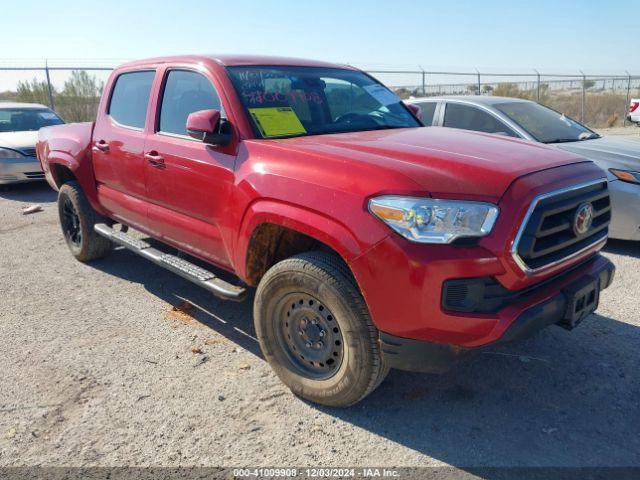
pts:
[477, 99]
[237, 60]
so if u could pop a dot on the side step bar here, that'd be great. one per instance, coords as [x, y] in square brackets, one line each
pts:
[180, 266]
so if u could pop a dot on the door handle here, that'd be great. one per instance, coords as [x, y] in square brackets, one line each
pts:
[154, 159]
[101, 146]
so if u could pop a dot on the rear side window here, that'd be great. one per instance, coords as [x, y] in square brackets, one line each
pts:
[130, 98]
[185, 92]
[428, 110]
[467, 117]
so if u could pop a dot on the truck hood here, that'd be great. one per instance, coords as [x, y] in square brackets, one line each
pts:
[18, 140]
[442, 161]
[608, 152]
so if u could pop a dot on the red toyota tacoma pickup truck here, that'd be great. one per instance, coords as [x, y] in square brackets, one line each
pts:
[373, 243]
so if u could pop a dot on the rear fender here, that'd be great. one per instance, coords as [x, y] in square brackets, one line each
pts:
[82, 170]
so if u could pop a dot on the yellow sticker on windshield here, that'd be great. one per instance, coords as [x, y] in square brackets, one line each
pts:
[277, 121]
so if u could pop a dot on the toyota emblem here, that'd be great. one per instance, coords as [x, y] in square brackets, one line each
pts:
[583, 219]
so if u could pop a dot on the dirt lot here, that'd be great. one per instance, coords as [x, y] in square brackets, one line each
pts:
[630, 131]
[98, 369]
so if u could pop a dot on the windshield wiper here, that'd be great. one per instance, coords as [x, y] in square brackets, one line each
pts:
[384, 127]
[562, 140]
[582, 137]
[590, 136]
[352, 130]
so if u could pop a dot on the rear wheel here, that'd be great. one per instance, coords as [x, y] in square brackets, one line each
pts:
[77, 219]
[315, 330]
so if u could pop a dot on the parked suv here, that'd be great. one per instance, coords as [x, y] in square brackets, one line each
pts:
[373, 243]
[19, 124]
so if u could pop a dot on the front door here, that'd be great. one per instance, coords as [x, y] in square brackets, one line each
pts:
[118, 148]
[188, 182]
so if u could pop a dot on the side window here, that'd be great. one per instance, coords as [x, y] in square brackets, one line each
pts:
[467, 117]
[130, 98]
[428, 110]
[185, 92]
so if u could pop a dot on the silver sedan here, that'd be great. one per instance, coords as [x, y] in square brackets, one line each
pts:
[19, 125]
[618, 157]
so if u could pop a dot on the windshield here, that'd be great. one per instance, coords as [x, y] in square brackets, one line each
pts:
[296, 101]
[545, 125]
[26, 119]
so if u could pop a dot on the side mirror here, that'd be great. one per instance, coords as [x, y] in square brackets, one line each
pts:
[204, 125]
[415, 109]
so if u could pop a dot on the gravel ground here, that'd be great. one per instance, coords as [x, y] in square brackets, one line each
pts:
[631, 131]
[98, 370]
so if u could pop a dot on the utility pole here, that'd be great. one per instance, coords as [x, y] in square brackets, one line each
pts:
[584, 96]
[626, 105]
[49, 87]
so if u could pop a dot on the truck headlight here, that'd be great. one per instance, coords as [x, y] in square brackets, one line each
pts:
[7, 153]
[426, 220]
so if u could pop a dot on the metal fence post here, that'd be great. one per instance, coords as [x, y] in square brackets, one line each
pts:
[49, 87]
[424, 82]
[479, 83]
[626, 105]
[584, 96]
[538, 86]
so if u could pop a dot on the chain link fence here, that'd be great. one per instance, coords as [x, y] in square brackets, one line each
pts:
[596, 100]
[73, 88]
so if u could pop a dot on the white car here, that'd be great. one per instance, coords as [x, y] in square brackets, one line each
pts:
[634, 111]
[19, 125]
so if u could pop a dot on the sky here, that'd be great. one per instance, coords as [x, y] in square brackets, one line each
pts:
[560, 36]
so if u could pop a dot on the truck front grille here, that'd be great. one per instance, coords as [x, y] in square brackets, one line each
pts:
[551, 232]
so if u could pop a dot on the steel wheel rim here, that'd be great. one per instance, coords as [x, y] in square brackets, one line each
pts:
[310, 336]
[71, 223]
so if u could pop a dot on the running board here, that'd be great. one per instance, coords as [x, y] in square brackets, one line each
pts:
[177, 265]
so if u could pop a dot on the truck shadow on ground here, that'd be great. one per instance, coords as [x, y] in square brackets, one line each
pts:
[36, 192]
[232, 320]
[558, 399]
[623, 247]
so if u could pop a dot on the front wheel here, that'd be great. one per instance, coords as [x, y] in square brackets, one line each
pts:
[315, 330]
[77, 219]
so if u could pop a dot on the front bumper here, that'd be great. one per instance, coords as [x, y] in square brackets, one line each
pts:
[27, 169]
[425, 356]
[625, 201]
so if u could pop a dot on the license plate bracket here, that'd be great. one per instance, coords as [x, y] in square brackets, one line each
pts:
[582, 297]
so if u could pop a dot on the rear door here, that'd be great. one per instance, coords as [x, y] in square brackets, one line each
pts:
[188, 182]
[118, 147]
[470, 117]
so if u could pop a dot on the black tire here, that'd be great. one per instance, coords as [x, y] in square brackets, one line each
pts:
[319, 286]
[77, 219]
